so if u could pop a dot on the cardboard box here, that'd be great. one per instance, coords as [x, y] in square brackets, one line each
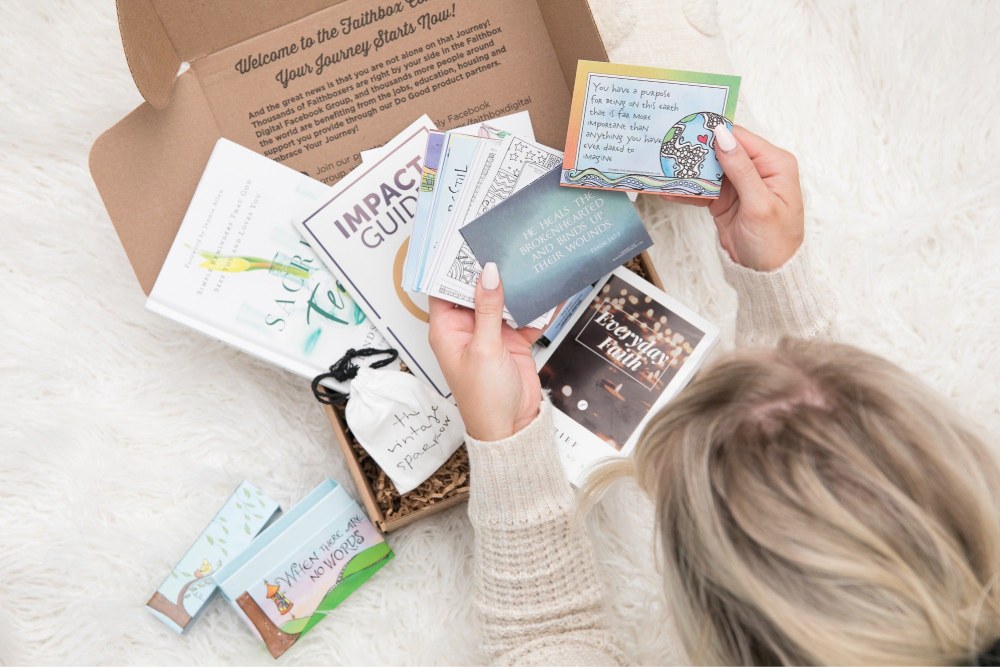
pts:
[448, 487]
[386, 508]
[311, 84]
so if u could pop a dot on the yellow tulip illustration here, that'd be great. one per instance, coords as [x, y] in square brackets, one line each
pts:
[239, 264]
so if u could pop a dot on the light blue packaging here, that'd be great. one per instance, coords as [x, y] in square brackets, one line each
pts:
[191, 584]
[303, 566]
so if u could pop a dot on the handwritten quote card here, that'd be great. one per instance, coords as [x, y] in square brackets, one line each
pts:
[645, 129]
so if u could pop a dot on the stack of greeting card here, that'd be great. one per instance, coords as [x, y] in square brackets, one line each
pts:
[465, 176]
[486, 200]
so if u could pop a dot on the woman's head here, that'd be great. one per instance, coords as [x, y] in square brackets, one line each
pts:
[817, 504]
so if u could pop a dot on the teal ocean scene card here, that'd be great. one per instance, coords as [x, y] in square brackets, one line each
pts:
[549, 242]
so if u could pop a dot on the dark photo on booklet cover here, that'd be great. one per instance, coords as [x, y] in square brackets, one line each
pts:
[616, 360]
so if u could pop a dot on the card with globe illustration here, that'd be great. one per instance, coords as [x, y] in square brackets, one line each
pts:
[646, 129]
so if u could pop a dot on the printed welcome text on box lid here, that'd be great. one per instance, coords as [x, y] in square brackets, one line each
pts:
[360, 79]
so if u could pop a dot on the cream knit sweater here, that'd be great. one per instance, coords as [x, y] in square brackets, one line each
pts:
[536, 587]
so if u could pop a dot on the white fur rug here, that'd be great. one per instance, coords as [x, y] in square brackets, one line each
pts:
[122, 432]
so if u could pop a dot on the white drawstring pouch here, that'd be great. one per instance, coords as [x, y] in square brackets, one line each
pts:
[406, 427]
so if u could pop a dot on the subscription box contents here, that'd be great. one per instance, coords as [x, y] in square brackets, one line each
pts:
[324, 80]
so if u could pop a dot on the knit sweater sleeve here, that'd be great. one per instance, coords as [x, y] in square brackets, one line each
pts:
[536, 584]
[789, 301]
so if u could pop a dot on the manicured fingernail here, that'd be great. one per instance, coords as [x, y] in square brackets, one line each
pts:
[491, 277]
[724, 139]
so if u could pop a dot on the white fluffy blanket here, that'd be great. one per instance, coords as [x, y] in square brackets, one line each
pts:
[122, 432]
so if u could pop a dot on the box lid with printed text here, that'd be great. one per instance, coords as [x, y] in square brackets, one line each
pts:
[313, 83]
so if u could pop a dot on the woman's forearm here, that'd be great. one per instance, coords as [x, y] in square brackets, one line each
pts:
[536, 586]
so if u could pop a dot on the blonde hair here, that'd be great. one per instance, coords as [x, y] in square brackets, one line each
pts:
[818, 504]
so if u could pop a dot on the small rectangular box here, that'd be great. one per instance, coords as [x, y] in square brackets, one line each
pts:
[303, 566]
[190, 585]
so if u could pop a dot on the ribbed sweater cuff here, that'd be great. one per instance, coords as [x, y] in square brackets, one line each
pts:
[783, 302]
[518, 480]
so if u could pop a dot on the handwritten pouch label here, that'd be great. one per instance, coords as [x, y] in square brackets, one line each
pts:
[409, 430]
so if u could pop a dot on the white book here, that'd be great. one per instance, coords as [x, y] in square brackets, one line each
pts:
[238, 272]
[362, 230]
[627, 351]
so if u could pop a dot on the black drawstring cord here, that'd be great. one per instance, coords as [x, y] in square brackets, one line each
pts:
[990, 656]
[345, 369]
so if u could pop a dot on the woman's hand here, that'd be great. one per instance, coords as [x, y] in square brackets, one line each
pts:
[488, 364]
[759, 212]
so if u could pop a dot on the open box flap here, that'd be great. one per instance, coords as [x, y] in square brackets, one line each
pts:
[151, 56]
[574, 35]
[148, 165]
[146, 168]
[158, 35]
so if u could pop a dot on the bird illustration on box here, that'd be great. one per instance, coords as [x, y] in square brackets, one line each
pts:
[206, 568]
